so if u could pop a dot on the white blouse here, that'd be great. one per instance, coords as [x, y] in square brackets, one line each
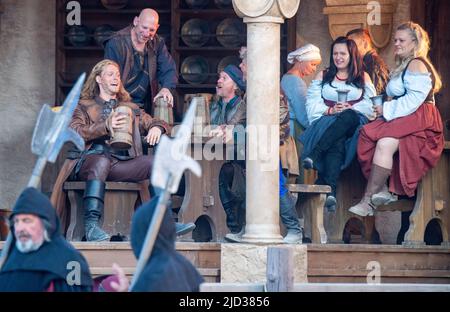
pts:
[417, 87]
[316, 107]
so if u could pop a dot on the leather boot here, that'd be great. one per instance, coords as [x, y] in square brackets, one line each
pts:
[232, 218]
[333, 161]
[241, 215]
[93, 199]
[377, 179]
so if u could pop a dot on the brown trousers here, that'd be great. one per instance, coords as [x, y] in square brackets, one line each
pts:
[107, 168]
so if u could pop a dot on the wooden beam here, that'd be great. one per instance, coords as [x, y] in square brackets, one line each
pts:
[418, 11]
[307, 188]
[280, 269]
[231, 287]
[329, 287]
[337, 287]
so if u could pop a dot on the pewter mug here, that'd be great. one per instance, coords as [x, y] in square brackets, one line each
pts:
[377, 100]
[342, 95]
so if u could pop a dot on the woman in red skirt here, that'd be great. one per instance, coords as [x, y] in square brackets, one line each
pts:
[407, 140]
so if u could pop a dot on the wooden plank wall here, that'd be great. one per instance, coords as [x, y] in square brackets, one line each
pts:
[434, 16]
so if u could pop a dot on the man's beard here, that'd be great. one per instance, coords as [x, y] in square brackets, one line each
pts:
[28, 245]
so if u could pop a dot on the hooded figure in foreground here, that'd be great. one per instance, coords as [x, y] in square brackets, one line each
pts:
[167, 269]
[40, 258]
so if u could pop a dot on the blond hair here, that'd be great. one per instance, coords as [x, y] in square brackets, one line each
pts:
[91, 88]
[421, 49]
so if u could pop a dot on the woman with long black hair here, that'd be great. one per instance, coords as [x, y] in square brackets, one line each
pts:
[330, 140]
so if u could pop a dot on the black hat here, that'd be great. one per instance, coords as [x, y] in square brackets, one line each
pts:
[31, 201]
[236, 75]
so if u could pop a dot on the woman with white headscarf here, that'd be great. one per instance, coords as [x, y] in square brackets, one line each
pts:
[305, 61]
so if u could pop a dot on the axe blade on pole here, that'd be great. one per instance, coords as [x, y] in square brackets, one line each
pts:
[49, 135]
[170, 163]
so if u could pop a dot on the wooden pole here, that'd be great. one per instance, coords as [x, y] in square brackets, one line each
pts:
[280, 269]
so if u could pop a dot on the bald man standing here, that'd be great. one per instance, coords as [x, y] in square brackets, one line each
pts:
[144, 60]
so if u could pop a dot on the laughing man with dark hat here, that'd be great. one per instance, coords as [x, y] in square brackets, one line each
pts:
[228, 110]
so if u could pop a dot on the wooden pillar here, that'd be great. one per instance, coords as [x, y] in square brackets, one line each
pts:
[263, 19]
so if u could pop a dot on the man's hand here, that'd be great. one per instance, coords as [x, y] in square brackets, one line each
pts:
[166, 95]
[223, 131]
[217, 132]
[228, 134]
[346, 106]
[123, 282]
[118, 120]
[153, 136]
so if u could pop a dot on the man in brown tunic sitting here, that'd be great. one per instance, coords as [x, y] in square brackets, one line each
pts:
[96, 120]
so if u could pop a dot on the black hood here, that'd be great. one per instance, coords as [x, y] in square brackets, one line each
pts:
[167, 269]
[165, 241]
[31, 201]
[53, 256]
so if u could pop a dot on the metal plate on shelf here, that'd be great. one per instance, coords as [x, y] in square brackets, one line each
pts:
[197, 4]
[164, 32]
[223, 4]
[102, 33]
[114, 4]
[195, 69]
[227, 60]
[79, 36]
[69, 77]
[230, 32]
[195, 32]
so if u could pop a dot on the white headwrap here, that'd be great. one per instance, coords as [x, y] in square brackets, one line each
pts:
[308, 52]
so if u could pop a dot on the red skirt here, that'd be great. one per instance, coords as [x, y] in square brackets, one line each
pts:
[421, 142]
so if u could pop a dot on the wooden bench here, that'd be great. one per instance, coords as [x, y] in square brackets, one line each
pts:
[432, 202]
[311, 204]
[201, 203]
[350, 188]
[121, 199]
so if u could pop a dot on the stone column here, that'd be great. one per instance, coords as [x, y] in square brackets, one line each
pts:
[263, 19]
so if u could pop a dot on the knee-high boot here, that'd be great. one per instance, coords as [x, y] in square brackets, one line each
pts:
[232, 217]
[93, 200]
[377, 179]
[333, 161]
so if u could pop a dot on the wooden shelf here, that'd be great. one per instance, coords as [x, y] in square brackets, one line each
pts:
[212, 51]
[86, 48]
[173, 13]
[102, 10]
[206, 12]
[195, 86]
[208, 48]
[122, 11]
[72, 59]
[66, 84]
